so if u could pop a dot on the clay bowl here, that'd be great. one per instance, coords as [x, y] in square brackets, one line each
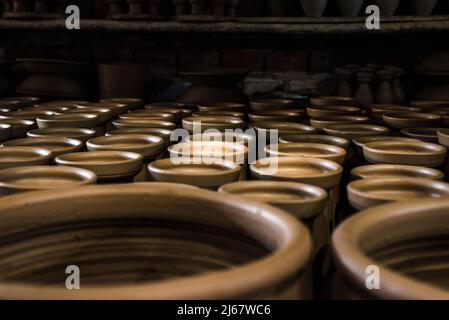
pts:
[301, 200]
[57, 145]
[146, 145]
[368, 193]
[273, 104]
[129, 229]
[443, 137]
[316, 138]
[81, 134]
[444, 113]
[131, 103]
[276, 115]
[220, 123]
[163, 133]
[360, 142]
[202, 172]
[11, 157]
[116, 108]
[143, 123]
[5, 131]
[171, 105]
[322, 122]
[247, 139]
[354, 131]
[236, 152]
[416, 153]
[107, 165]
[104, 115]
[318, 172]
[21, 102]
[27, 114]
[223, 106]
[384, 108]
[283, 128]
[10, 105]
[219, 113]
[178, 114]
[403, 120]
[82, 120]
[307, 150]
[430, 105]
[50, 106]
[329, 111]
[33, 178]
[423, 134]
[332, 101]
[149, 114]
[19, 127]
[395, 170]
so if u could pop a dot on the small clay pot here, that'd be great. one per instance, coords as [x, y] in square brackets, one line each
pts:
[135, 7]
[11, 157]
[131, 103]
[81, 134]
[198, 7]
[220, 123]
[19, 127]
[316, 138]
[283, 128]
[358, 143]
[403, 120]
[181, 7]
[396, 171]
[321, 122]
[332, 101]
[143, 123]
[317, 112]
[424, 134]
[276, 115]
[314, 8]
[353, 131]
[57, 145]
[83, 120]
[307, 150]
[160, 132]
[41, 6]
[148, 114]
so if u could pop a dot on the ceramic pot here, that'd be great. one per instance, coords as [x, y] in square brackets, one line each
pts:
[148, 114]
[83, 120]
[332, 101]
[247, 139]
[385, 93]
[395, 171]
[353, 131]
[202, 172]
[223, 106]
[314, 8]
[316, 138]
[116, 108]
[307, 150]
[11, 157]
[32, 178]
[321, 122]
[283, 128]
[143, 123]
[423, 134]
[103, 114]
[429, 105]
[220, 123]
[81, 134]
[19, 127]
[402, 120]
[344, 76]
[358, 143]
[177, 114]
[390, 234]
[181, 7]
[422, 7]
[387, 7]
[27, 114]
[233, 250]
[57, 145]
[131, 103]
[350, 8]
[232, 114]
[276, 115]
[273, 104]
[443, 137]
[317, 112]
[5, 131]
[163, 133]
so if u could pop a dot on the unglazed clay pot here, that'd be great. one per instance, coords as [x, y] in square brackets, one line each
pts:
[5, 131]
[132, 103]
[220, 123]
[396, 171]
[19, 127]
[332, 101]
[307, 150]
[325, 111]
[143, 123]
[121, 234]
[387, 7]
[443, 137]
[314, 8]
[350, 8]
[57, 145]
[163, 133]
[358, 143]
[403, 120]
[322, 122]
[405, 241]
[83, 120]
[116, 108]
[424, 134]
[81, 134]
[11, 157]
[353, 131]
[283, 128]
[316, 138]
[247, 139]
[422, 7]
[276, 115]
[273, 104]
[148, 114]
[223, 106]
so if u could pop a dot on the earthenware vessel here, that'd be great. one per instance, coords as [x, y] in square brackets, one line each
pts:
[223, 106]
[103, 114]
[210, 173]
[443, 137]
[316, 138]
[171, 105]
[395, 170]
[147, 146]
[127, 223]
[353, 131]
[83, 120]
[424, 134]
[19, 6]
[5, 131]
[276, 115]
[398, 89]
[109, 166]
[409, 153]
[163, 133]
[429, 105]
[444, 113]
[368, 193]
[116, 108]
[422, 7]
[350, 8]
[11, 157]
[178, 114]
[384, 108]
[131, 103]
[223, 113]
[364, 95]
[247, 139]
[57, 145]
[143, 123]
[314, 8]
[402, 120]
[81, 134]
[148, 114]
[385, 93]
[307, 150]
[32, 178]
[26, 114]
[326, 111]
[19, 126]
[344, 76]
[332, 101]
[358, 143]
[23, 102]
[321, 122]
[283, 128]
[273, 104]
[387, 7]
[220, 123]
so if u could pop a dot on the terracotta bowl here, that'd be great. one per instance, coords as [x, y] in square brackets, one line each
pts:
[360, 142]
[444, 113]
[276, 115]
[384, 108]
[21, 102]
[220, 113]
[423, 134]
[272, 104]
[443, 137]
[178, 114]
[416, 153]
[322, 122]
[107, 165]
[301, 200]
[11, 157]
[223, 106]
[163, 133]
[368, 193]
[354, 131]
[307, 150]
[32, 178]
[104, 115]
[200, 172]
[402, 120]
[131, 103]
[429, 105]
[83, 120]
[19, 126]
[316, 138]
[27, 114]
[329, 111]
[146, 145]
[332, 101]
[170, 105]
[220, 123]
[283, 128]
[246, 139]
[149, 114]
[5, 131]
[57, 145]
[318, 172]
[395, 170]
[9, 105]
[143, 123]
[81, 134]
[116, 108]
[182, 253]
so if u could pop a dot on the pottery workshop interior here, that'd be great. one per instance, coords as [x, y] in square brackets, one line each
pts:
[224, 150]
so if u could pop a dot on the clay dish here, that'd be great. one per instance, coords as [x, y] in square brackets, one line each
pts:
[273, 104]
[219, 113]
[319, 112]
[147, 146]
[384, 108]
[143, 123]
[276, 115]
[107, 165]
[19, 126]
[307, 150]
[171, 105]
[284, 127]
[149, 114]
[210, 149]
[178, 114]
[318, 172]
[368, 193]
[23, 102]
[32, 178]
[11, 157]
[423, 134]
[163, 133]
[116, 108]
[221, 123]
[430, 105]
[323, 122]
[332, 101]
[301, 200]
[57, 145]
[27, 114]
[82, 120]
[200, 172]
[104, 115]
[444, 113]
[354, 131]
[5, 131]
[443, 137]
[316, 138]
[360, 142]
[81, 134]
[395, 170]
[416, 153]
[403, 120]
[234, 137]
[131, 103]
[223, 106]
